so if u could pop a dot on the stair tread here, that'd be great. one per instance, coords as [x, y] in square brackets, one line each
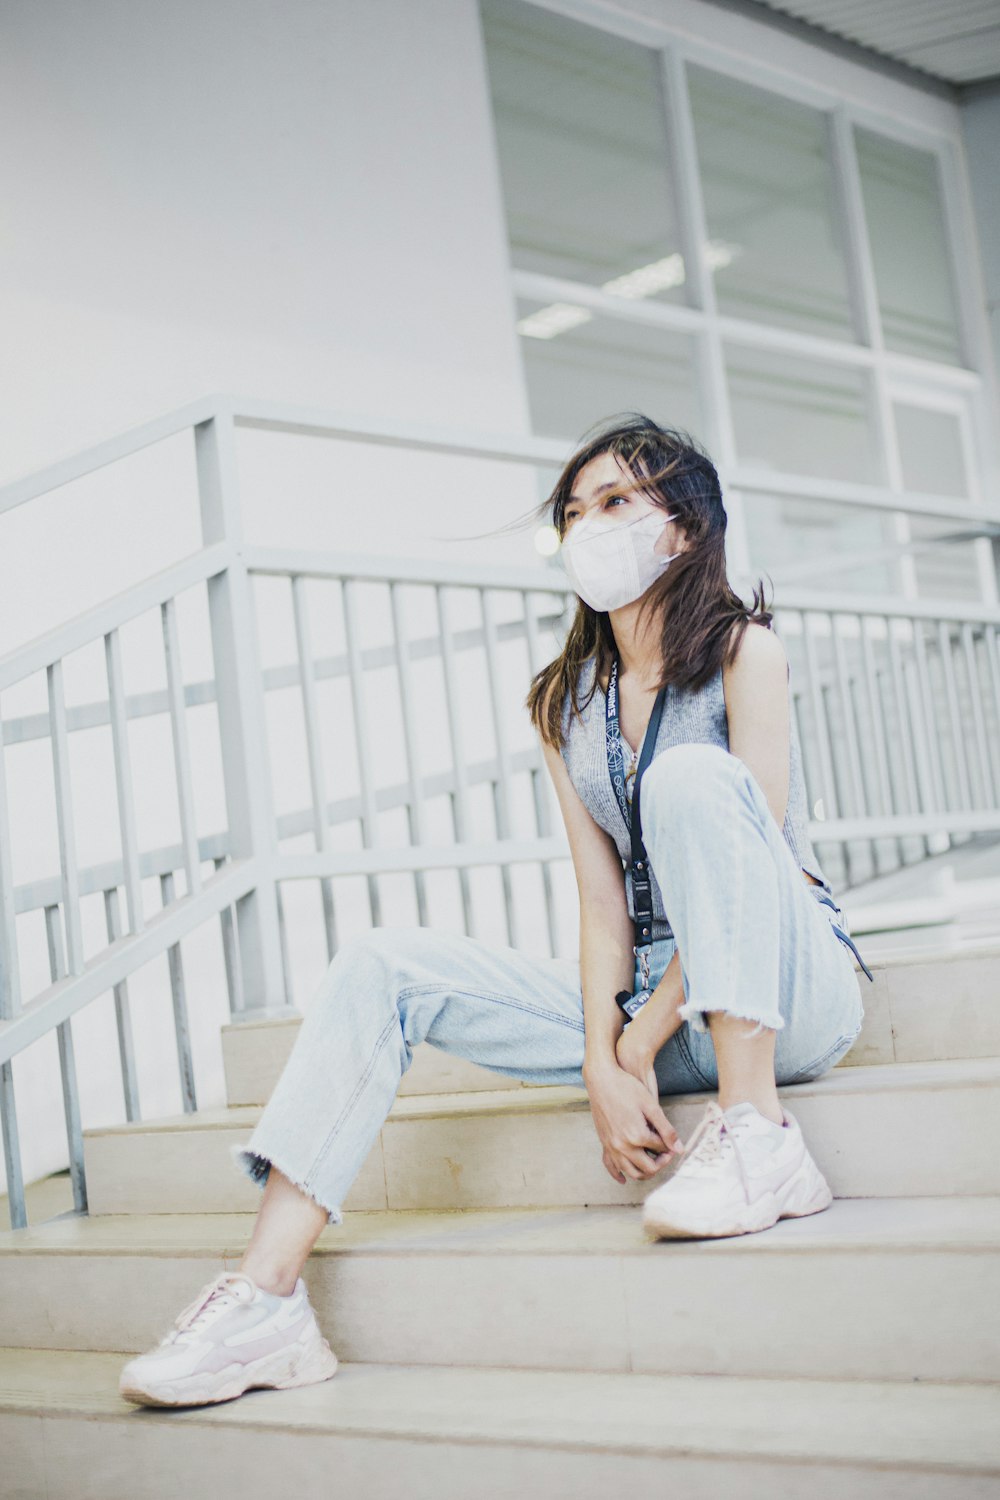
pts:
[982, 1072]
[905, 1424]
[903, 1225]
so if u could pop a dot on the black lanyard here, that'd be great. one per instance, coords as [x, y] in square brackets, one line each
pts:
[642, 890]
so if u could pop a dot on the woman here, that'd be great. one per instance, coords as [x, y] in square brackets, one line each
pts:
[767, 992]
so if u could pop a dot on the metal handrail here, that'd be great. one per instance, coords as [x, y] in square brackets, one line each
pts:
[525, 450]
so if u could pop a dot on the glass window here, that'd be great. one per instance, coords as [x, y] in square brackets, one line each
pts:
[767, 181]
[802, 544]
[945, 567]
[930, 448]
[802, 417]
[907, 233]
[583, 153]
[584, 368]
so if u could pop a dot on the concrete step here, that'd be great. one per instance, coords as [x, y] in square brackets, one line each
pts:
[898, 1130]
[906, 1020]
[869, 1289]
[254, 1053]
[444, 1434]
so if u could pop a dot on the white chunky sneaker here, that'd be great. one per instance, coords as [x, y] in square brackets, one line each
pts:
[232, 1338]
[739, 1172]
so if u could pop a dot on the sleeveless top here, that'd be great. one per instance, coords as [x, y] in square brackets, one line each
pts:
[698, 716]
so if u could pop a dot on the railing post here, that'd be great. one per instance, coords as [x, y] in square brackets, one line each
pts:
[242, 721]
[10, 979]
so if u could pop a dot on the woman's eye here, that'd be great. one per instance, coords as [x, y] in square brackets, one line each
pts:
[570, 515]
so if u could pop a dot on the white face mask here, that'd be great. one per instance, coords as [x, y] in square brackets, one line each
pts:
[613, 563]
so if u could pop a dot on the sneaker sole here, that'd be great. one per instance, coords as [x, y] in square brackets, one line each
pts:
[307, 1364]
[806, 1192]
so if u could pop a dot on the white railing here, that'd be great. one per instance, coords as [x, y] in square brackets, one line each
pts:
[897, 709]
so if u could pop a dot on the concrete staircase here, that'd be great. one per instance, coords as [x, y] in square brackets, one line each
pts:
[503, 1325]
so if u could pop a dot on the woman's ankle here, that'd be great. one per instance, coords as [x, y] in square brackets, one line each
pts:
[280, 1281]
[769, 1105]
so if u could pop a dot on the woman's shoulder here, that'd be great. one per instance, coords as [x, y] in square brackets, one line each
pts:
[759, 649]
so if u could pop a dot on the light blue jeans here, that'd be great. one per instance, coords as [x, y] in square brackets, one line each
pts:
[754, 942]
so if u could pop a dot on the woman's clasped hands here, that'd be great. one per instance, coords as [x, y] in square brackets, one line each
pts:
[637, 1138]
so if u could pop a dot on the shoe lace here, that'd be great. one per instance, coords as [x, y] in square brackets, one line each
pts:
[713, 1137]
[216, 1295]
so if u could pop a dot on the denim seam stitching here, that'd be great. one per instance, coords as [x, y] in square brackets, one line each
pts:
[359, 1086]
[818, 1062]
[533, 1010]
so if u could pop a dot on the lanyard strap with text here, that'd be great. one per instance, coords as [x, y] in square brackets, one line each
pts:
[642, 890]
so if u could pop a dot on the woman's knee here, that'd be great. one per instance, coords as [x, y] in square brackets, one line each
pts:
[793, 1067]
[378, 960]
[680, 779]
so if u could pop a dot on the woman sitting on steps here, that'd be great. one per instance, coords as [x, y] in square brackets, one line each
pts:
[719, 963]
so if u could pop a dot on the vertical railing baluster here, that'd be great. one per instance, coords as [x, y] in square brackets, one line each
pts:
[827, 690]
[955, 722]
[854, 687]
[905, 732]
[414, 807]
[897, 798]
[67, 1067]
[286, 964]
[10, 1006]
[992, 646]
[182, 749]
[369, 814]
[930, 715]
[230, 951]
[501, 786]
[978, 721]
[829, 789]
[875, 717]
[540, 780]
[242, 712]
[64, 817]
[123, 1015]
[921, 751]
[178, 1000]
[314, 750]
[10, 969]
[459, 797]
[12, 1149]
[118, 716]
[855, 779]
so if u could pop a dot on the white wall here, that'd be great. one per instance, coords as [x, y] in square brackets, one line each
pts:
[294, 200]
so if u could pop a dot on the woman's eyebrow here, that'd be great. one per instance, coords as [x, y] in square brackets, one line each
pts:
[602, 489]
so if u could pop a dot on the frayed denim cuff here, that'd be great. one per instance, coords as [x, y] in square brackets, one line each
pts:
[257, 1164]
[697, 1018]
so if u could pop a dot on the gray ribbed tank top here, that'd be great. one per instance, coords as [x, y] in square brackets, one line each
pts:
[697, 716]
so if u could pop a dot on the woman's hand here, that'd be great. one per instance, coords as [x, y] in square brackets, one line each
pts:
[636, 1135]
[637, 1056]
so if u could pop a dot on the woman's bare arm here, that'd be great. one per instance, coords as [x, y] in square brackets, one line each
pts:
[636, 1137]
[607, 963]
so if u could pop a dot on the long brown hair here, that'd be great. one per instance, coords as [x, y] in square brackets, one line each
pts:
[697, 608]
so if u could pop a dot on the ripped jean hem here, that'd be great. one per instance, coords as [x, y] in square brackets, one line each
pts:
[257, 1165]
[694, 1013]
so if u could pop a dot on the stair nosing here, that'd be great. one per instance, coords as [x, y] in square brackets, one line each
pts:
[295, 1412]
[815, 1238]
[894, 1077]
